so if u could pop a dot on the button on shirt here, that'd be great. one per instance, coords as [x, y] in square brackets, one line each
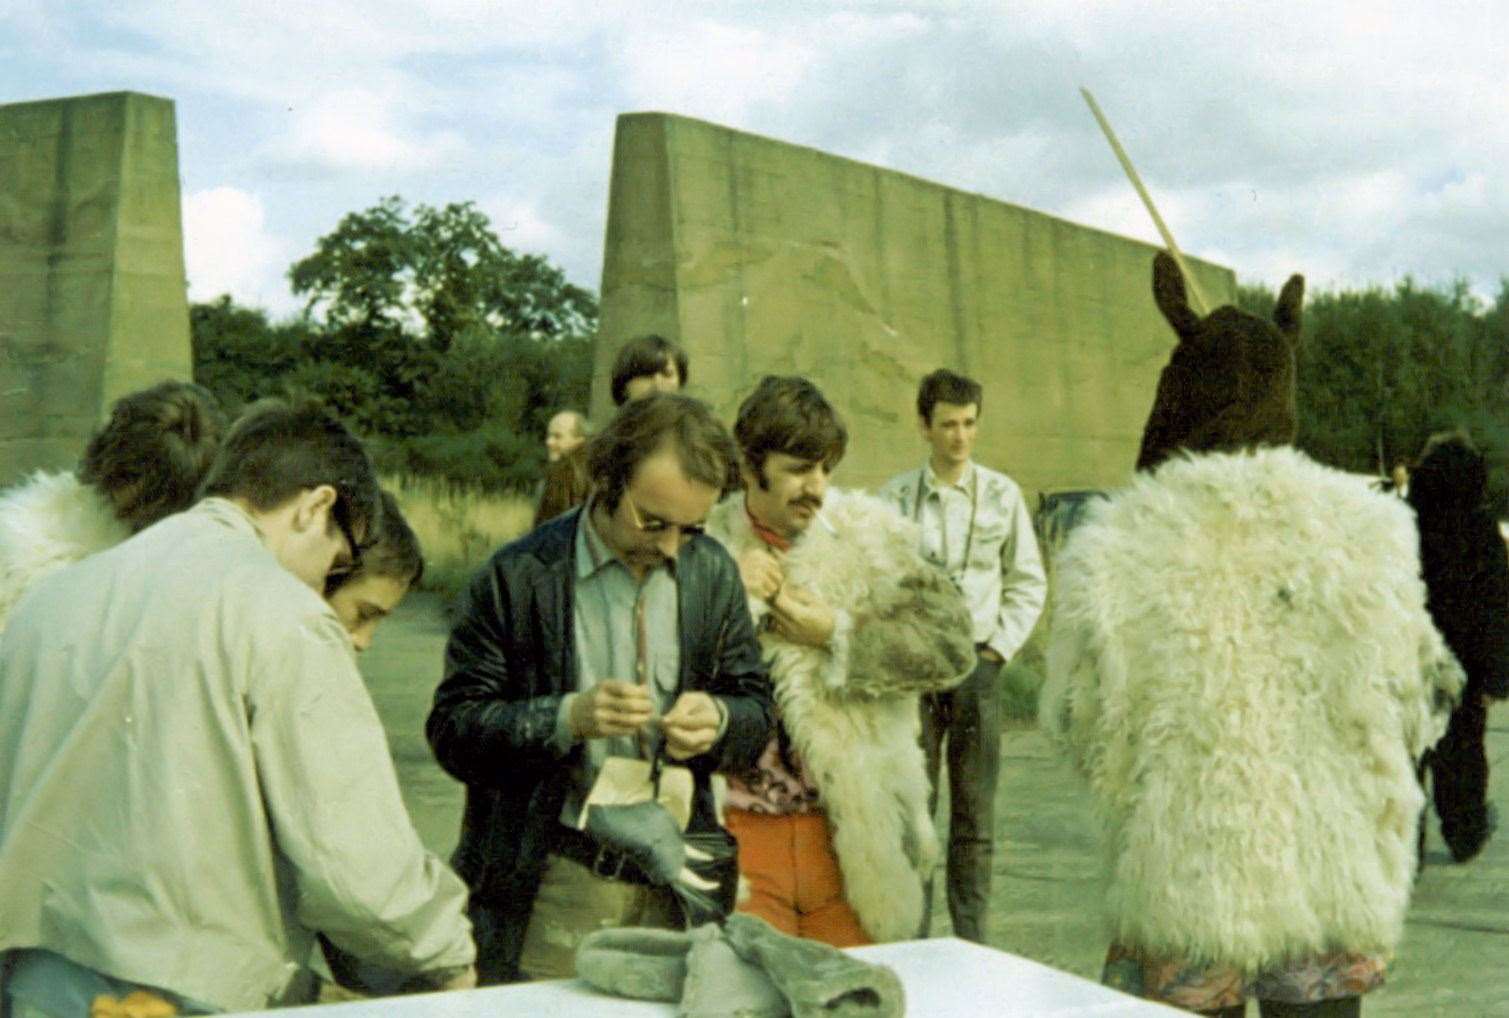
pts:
[612, 613]
[978, 531]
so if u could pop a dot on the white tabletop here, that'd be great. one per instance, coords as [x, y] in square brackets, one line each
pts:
[943, 978]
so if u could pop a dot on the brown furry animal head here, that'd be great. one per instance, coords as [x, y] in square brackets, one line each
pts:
[1230, 382]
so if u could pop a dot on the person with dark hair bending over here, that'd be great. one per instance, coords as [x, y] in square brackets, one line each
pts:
[389, 568]
[195, 779]
[145, 463]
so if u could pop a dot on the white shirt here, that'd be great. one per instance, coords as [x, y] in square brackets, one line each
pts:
[978, 530]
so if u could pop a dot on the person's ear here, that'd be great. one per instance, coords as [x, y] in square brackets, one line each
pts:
[314, 506]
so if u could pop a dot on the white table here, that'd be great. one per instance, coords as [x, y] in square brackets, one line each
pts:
[943, 978]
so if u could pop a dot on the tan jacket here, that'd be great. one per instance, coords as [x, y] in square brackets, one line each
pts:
[193, 778]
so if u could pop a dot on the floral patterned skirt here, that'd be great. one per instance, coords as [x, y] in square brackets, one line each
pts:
[1212, 987]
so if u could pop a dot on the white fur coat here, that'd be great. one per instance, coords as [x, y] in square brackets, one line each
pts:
[852, 709]
[1242, 665]
[47, 522]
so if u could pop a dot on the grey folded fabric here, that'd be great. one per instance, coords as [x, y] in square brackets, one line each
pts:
[746, 969]
[818, 981]
[638, 963]
[720, 984]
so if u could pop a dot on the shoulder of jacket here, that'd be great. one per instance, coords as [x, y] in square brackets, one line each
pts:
[999, 485]
[902, 484]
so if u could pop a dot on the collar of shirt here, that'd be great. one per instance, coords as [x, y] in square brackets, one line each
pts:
[224, 511]
[592, 552]
[766, 534]
[931, 483]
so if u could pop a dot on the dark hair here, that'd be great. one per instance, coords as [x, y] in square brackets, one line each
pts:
[276, 450]
[567, 485]
[642, 427]
[647, 355]
[394, 551]
[788, 414]
[944, 386]
[150, 456]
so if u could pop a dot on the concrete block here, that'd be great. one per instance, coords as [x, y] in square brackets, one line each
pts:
[764, 257]
[93, 300]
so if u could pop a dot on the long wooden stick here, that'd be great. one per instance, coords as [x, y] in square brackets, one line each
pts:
[1197, 297]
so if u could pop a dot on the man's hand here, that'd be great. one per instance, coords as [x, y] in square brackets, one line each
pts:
[802, 618]
[761, 572]
[612, 707]
[691, 726]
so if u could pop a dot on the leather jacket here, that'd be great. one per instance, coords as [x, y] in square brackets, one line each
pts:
[510, 660]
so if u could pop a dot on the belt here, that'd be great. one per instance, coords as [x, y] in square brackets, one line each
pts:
[603, 860]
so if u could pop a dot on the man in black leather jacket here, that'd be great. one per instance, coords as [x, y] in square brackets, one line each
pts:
[542, 684]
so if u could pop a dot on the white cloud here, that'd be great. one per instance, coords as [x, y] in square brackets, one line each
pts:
[1358, 142]
[360, 131]
[228, 249]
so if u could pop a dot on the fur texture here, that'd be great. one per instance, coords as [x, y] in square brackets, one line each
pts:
[46, 523]
[1242, 665]
[852, 710]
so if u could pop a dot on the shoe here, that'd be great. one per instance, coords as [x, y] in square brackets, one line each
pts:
[1466, 839]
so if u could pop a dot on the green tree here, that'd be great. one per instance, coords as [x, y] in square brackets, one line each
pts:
[444, 348]
[1380, 370]
[239, 355]
[435, 273]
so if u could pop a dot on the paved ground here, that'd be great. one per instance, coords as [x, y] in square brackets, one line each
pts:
[1046, 893]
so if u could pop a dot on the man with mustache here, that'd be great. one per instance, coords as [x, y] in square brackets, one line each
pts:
[976, 527]
[835, 836]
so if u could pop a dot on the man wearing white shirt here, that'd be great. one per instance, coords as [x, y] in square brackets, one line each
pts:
[976, 527]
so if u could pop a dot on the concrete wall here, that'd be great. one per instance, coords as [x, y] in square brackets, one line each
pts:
[763, 257]
[93, 300]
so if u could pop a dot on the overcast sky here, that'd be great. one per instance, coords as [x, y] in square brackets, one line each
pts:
[1355, 142]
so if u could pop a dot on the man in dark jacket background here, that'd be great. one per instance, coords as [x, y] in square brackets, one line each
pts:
[601, 632]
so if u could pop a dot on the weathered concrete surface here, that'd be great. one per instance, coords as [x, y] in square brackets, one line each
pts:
[92, 294]
[1046, 901]
[764, 257]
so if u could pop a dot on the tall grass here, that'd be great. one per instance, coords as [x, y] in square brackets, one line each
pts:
[458, 528]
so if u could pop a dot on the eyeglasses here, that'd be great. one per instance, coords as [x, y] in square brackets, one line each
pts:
[655, 525]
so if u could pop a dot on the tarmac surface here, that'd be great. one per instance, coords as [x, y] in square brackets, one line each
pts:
[1045, 900]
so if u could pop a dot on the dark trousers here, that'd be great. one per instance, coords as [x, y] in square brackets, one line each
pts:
[1459, 779]
[965, 723]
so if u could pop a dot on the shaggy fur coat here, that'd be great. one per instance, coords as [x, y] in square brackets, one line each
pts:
[47, 522]
[851, 709]
[1242, 665]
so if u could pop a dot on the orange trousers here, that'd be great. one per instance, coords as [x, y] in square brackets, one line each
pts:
[794, 880]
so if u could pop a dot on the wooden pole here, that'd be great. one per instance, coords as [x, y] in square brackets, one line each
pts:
[1197, 297]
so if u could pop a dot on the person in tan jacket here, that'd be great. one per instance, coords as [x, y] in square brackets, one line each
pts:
[193, 779]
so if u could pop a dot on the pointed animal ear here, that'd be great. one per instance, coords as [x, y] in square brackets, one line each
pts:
[1168, 292]
[1286, 312]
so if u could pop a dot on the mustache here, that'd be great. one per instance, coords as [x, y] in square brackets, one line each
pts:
[809, 501]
